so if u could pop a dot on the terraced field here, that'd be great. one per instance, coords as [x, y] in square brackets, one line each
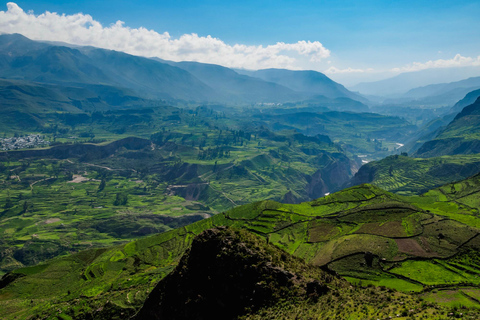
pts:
[409, 176]
[72, 197]
[427, 245]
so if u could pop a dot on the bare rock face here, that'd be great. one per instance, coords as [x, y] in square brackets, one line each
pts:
[226, 274]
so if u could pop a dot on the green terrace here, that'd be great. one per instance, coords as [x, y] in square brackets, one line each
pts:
[427, 245]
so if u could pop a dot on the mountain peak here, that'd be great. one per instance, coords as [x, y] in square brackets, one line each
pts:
[231, 272]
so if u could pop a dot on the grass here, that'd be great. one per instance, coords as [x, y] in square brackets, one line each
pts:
[412, 176]
[334, 232]
[394, 283]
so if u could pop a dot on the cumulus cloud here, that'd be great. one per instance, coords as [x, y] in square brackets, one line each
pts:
[82, 29]
[457, 61]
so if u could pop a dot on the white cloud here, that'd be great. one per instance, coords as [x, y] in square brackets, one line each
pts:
[82, 29]
[335, 70]
[457, 61]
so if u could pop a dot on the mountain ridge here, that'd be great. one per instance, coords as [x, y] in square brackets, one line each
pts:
[461, 136]
[25, 59]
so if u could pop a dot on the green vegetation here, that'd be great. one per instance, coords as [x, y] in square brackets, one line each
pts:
[368, 235]
[108, 193]
[227, 269]
[461, 136]
[371, 135]
[410, 176]
[91, 224]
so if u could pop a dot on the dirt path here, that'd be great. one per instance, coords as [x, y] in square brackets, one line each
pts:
[34, 183]
[204, 178]
[98, 166]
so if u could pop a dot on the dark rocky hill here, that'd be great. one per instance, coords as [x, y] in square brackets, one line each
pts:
[228, 273]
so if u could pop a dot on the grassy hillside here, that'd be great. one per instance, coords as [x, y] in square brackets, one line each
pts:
[74, 196]
[426, 244]
[238, 274]
[461, 136]
[408, 176]
[371, 135]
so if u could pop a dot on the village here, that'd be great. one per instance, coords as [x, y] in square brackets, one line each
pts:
[24, 142]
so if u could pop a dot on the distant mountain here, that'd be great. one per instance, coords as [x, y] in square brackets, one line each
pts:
[16, 44]
[24, 59]
[470, 98]
[66, 65]
[461, 136]
[407, 81]
[305, 81]
[443, 94]
[237, 87]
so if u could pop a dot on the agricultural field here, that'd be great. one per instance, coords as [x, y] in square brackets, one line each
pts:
[72, 197]
[423, 245]
[370, 135]
[412, 176]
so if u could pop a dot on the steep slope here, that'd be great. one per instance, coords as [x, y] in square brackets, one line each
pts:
[434, 127]
[16, 45]
[229, 273]
[38, 98]
[31, 106]
[54, 65]
[407, 176]
[461, 136]
[24, 59]
[470, 98]
[239, 88]
[151, 78]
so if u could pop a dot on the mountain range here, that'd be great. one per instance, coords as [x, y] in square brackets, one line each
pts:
[27, 60]
[402, 83]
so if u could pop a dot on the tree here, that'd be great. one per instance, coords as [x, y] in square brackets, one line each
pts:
[25, 207]
[121, 199]
[102, 185]
[8, 204]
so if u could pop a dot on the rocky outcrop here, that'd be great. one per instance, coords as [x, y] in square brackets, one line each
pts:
[228, 273]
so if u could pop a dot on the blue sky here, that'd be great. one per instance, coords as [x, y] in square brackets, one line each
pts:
[362, 35]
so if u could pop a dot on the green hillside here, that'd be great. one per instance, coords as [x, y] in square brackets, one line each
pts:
[371, 135]
[426, 244]
[461, 136]
[409, 176]
[184, 82]
[70, 197]
[235, 274]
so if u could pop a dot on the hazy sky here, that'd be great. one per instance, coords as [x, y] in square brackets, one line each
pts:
[357, 38]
